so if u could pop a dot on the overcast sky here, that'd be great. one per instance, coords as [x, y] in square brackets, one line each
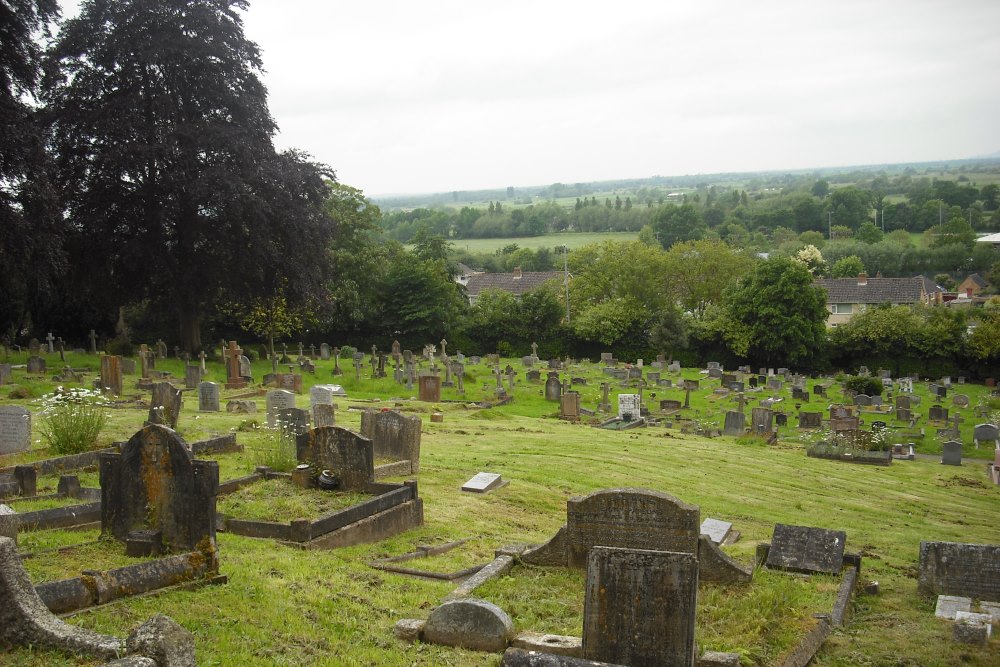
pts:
[406, 97]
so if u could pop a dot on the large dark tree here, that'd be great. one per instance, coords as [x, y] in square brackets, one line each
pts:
[29, 227]
[163, 137]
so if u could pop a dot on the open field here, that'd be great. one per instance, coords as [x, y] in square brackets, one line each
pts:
[571, 239]
[283, 606]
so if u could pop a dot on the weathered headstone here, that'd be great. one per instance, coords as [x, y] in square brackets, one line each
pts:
[483, 482]
[810, 420]
[111, 374]
[569, 406]
[276, 400]
[15, 429]
[324, 351]
[986, 433]
[323, 414]
[234, 374]
[716, 529]
[735, 424]
[429, 389]
[192, 376]
[639, 607]
[806, 549]
[629, 407]
[955, 568]
[164, 405]
[553, 387]
[36, 365]
[761, 421]
[324, 393]
[293, 421]
[5, 374]
[155, 484]
[937, 413]
[208, 397]
[394, 435]
[348, 455]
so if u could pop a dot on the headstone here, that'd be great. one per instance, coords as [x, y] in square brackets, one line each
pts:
[951, 454]
[937, 413]
[469, 623]
[15, 429]
[156, 484]
[93, 341]
[208, 397]
[324, 393]
[806, 549]
[234, 374]
[394, 435]
[862, 400]
[735, 424]
[716, 529]
[161, 349]
[903, 401]
[111, 374]
[348, 455]
[128, 366]
[276, 400]
[960, 401]
[293, 421]
[324, 351]
[780, 419]
[246, 371]
[956, 568]
[761, 421]
[810, 420]
[986, 433]
[949, 605]
[192, 376]
[629, 407]
[290, 382]
[241, 407]
[5, 374]
[36, 365]
[164, 405]
[483, 482]
[639, 607]
[429, 389]
[553, 387]
[323, 414]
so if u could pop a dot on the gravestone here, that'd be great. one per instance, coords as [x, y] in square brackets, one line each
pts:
[986, 433]
[862, 400]
[669, 404]
[780, 419]
[242, 407]
[192, 376]
[156, 484]
[569, 406]
[36, 365]
[553, 387]
[208, 397]
[716, 530]
[483, 482]
[323, 414]
[937, 413]
[290, 382]
[234, 374]
[111, 374]
[629, 407]
[15, 429]
[810, 420]
[761, 421]
[735, 424]
[293, 421]
[164, 405]
[430, 389]
[674, 367]
[128, 366]
[348, 455]
[394, 435]
[902, 401]
[960, 401]
[639, 607]
[533, 375]
[951, 453]
[956, 568]
[324, 351]
[324, 393]
[5, 374]
[904, 414]
[806, 549]
[275, 400]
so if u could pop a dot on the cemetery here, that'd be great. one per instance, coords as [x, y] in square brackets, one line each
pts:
[724, 490]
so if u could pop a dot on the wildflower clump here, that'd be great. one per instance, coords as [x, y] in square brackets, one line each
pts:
[71, 420]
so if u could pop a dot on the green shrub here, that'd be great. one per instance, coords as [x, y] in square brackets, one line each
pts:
[869, 386]
[120, 346]
[347, 352]
[72, 420]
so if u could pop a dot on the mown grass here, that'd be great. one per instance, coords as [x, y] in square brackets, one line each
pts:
[283, 606]
[573, 240]
[281, 501]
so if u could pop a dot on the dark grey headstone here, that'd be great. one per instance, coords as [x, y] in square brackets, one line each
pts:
[951, 453]
[735, 423]
[986, 433]
[630, 519]
[955, 568]
[155, 484]
[806, 549]
[553, 387]
[639, 607]
[208, 397]
[810, 420]
[470, 623]
[164, 405]
[35, 365]
[349, 455]
[761, 421]
[394, 435]
[293, 421]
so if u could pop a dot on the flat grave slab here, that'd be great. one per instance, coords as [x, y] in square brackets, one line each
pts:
[949, 605]
[807, 549]
[716, 529]
[484, 482]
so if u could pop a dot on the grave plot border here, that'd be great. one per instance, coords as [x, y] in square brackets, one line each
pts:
[426, 551]
[394, 509]
[93, 589]
[835, 453]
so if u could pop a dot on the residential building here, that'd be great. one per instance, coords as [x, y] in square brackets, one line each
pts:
[845, 297]
[517, 283]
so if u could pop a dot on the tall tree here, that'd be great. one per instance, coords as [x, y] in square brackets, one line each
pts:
[163, 137]
[777, 314]
[30, 230]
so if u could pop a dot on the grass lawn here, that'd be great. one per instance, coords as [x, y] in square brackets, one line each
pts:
[284, 606]
[571, 239]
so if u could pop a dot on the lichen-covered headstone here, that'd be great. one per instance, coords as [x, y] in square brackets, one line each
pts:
[349, 455]
[394, 435]
[807, 549]
[208, 397]
[15, 429]
[164, 405]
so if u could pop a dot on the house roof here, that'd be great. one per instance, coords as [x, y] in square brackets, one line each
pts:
[509, 282]
[989, 238]
[877, 290]
[976, 279]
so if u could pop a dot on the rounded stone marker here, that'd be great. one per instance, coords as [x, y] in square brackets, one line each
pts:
[470, 623]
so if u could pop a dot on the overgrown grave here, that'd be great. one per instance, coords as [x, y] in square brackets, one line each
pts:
[336, 480]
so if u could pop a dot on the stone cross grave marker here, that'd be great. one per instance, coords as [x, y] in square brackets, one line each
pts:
[806, 549]
[15, 429]
[639, 607]
[234, 374]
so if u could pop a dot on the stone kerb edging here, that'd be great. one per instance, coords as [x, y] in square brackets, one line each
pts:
[25, 621]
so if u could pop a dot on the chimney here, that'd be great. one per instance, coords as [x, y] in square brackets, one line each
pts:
[517, 273]
[862, 279]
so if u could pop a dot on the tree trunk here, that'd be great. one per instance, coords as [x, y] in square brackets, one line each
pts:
[190, 328]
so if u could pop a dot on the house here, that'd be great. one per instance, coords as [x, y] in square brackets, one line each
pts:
[517, 283]
[463, 274]
[846, 297]
[971, 286]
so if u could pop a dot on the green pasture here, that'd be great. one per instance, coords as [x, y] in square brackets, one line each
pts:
[573, 240]
[284, 606]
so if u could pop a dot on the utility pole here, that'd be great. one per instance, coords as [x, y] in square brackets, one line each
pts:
[829, 224]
